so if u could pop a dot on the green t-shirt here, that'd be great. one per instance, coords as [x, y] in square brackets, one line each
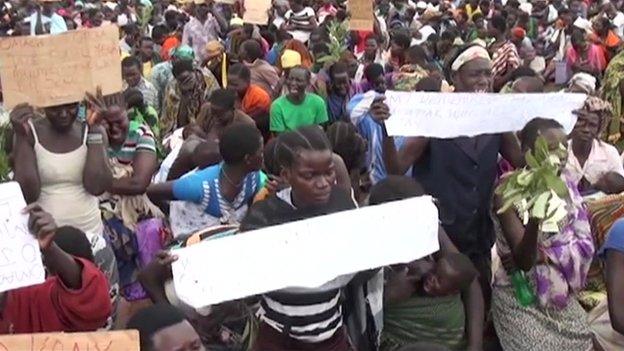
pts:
[286, 116]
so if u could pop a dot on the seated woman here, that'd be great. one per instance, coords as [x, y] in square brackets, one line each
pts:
[131, 222]
[74, 297]
[219, 194]
[556, 265]
[594, 165]
[436, 299]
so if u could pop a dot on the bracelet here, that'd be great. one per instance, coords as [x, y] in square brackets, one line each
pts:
[95, 139]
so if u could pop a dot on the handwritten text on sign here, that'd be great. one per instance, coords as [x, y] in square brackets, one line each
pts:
[20, 259]
[361, 15]
[305, 253]
[126, 340]
[51, 70]
[450, 115]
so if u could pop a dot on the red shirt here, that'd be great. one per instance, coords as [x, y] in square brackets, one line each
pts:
[52, 307]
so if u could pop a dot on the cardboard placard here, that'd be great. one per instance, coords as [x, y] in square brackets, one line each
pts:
[20, 258]
[256, 11]
[51, 70]
[126, 340]
[362, 17]
[229, 2]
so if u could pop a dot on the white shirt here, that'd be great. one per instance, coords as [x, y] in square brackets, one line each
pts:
[57, 23]
[618, 22]
[300, 35]
[603, 158]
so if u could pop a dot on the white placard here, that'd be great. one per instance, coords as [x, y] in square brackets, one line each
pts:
[450, 115]
[20, 259]
[305, 253]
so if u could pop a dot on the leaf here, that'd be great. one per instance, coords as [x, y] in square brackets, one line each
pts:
[556, 184]
[539, 208]
[530, 160]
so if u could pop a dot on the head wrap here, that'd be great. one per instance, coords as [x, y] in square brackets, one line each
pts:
[214, 48]
[518, 33]
[585, 81]
[473, 52]
[290, 59]
[236, 21]
[183, 52]
[597, 105]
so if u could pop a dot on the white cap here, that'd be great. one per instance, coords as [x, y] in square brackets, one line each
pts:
[421, 5]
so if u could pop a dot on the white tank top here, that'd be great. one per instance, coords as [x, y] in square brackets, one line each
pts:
[62, 191]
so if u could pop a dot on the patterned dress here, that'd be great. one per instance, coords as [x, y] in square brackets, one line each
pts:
[556, 321]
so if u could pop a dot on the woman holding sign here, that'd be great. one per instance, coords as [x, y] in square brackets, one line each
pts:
[63, 167]
[459, 172]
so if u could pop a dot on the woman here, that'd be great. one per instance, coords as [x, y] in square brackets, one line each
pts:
[306, 163]
[452, 315]
[594, 165]
[372, 54]
[455, 171]
[63, 167]
[556, 265]
[605, 36]
[585, 57]
[131, 222]
[505, 58]
[185, 96]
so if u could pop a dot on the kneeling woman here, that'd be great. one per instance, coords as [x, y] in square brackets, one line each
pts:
[302, 319]
[556, 265]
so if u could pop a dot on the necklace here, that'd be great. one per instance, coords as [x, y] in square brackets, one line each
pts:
[232, 183]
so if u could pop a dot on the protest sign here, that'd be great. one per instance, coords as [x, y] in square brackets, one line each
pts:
[256, 12]
[296, 254]
[20, 258]
[450, 115]
[126, 340]
[229, 2]
[49, 70]
[362, 17]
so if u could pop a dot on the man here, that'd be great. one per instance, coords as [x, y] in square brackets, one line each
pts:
[616, 17]
[251, 98]
[338, 93]
[262, 73]
[131, 35]
[74, 296]
[149, 57]
[131, 73]
[162, 74]
[162, 327]
[297, 108]
[46, 21]
[205, 25]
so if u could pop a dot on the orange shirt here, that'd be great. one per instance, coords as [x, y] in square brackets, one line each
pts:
[255, 99]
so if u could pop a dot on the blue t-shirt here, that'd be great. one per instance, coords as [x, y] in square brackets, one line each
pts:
[372, 132]
[615, 238]
[202, 188]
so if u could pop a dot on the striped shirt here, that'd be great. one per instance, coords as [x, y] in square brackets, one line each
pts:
[140, 138]
[308, 315]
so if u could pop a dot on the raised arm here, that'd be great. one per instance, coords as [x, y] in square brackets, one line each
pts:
[25, 170]
[521, 239]
[97, 176]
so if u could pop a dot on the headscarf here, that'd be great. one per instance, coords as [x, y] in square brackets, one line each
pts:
[518, 33]
[613, 76]
[306, 58]
[471, 53]
[601, 108]
[585, 81]
[215, 48]
[290, 59]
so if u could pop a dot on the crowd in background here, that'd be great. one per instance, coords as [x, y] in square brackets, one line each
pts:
[225, 126]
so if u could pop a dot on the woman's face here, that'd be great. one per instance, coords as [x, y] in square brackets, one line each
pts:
[311, 177]
[62, 117]
[474, 76]
[556, 139]
[116, 124]
[371, 47]
[587, 126]
[396, 50]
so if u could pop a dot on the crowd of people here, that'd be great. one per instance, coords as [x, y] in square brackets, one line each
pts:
[224, 127]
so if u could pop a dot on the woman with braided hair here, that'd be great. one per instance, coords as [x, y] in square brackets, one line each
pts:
[592, 163]
[298, 318]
